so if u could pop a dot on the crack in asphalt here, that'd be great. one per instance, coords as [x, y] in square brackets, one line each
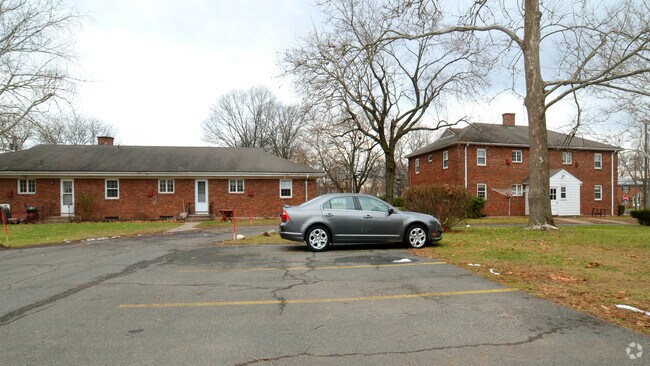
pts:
[301, 281]
[37, 306]
[530, 339]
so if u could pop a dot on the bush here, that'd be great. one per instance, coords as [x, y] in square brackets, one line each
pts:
[643, 216]
[446, 202]
[476, 206]
[621, 210]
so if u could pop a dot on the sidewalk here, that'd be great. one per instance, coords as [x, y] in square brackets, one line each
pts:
[185, 227]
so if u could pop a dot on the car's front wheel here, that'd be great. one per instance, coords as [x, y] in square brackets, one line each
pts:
[318, 238]
[417, 236]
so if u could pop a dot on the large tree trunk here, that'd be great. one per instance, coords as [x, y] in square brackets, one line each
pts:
[540, 216]
[391, 167]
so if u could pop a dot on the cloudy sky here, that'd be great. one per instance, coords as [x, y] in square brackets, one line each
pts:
[154, 67]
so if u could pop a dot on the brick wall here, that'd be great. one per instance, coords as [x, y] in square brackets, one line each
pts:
[140, 199]
[501, 173]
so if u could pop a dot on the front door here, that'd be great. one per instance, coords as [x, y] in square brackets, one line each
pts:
[201, 196]
[67, 197]
[554, 201]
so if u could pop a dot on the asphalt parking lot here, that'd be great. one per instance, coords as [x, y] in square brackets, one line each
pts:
[182, 299]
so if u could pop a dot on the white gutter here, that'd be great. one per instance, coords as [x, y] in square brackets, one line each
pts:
[57, 174]
[612, 184]
[466, 147]
[307, 188]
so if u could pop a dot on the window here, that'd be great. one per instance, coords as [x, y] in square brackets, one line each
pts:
[517, 190]
[553, 194]
[598, 161]
[27, 186]
[598, 192]
[429, 158]
[481, 157]
[372, 204]
[562, 192]
[517, 156]
[567, 158]
[236, 186]
[112, 189]
[165, 186]
[445, 159]
[340, 203]
[286, 188]
[481, 190]
[417, 166]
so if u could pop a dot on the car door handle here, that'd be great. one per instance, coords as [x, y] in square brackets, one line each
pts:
[367, 217]
[329, 215]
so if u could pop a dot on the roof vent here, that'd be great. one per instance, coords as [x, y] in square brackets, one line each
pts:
[508, 119]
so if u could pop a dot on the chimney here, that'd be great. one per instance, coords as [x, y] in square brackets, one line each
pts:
[104, 140]
[508, 119]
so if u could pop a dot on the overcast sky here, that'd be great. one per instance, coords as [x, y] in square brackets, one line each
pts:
[155, 67]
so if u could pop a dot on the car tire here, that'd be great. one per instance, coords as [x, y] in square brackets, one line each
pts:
[318, 238]
[417, 237]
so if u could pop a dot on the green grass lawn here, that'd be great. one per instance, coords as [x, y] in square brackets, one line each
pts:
[38, 234]
[591, 268]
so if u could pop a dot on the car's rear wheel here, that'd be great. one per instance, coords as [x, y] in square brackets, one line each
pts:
[318, 238]
[417, 236]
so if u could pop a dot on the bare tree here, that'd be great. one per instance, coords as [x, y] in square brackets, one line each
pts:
[35, 44]
[386, 89]
[586, 46]
[72, 130]
[255, 118]
[348, 157]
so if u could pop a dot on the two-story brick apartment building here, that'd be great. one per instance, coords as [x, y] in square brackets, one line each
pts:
[491, 161]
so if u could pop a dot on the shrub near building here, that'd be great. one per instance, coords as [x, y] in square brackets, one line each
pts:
[643, 216]
[449, 203]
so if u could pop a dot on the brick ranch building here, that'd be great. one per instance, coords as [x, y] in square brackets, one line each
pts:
[106, 181]
[491, 161]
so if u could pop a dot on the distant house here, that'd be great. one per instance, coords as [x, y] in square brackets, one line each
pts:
[491, 161]
[107, 181]
[630, 193]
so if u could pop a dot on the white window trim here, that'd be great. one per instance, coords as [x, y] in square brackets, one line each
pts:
[27, 180]
[106, 189]
[521, 156]
[166, 181]
[517, 190]
[429, 158]
[417, 166]
[570, 155]
[243, 186]
[598, 189]
[484, 185]
[290, 188]
[563, 191]
[478, 156]
[598, 161]
[445, 159]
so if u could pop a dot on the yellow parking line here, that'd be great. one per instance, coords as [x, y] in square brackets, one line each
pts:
[313, 301]
[309, 268]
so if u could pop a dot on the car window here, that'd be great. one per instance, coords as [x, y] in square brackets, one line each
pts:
[340, 203]
[372, 204]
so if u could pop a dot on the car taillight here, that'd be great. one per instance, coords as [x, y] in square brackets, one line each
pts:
[285, 216]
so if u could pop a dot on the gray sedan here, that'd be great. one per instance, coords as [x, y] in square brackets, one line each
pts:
[356, 218]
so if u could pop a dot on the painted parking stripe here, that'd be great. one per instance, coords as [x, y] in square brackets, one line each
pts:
[309, 268]
[313, 301]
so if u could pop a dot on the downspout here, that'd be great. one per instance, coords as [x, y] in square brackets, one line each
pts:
[466, 147]
[612, 184]
[307, 188]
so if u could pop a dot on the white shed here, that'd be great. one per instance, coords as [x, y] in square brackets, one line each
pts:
[565, 193]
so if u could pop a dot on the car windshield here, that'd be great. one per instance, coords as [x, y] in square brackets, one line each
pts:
[372, 204]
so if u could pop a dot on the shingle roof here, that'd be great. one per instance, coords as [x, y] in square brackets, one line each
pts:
[498, 134]
[142, 160]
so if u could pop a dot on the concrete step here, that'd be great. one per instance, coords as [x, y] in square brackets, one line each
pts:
[198, 218]
[60, 219]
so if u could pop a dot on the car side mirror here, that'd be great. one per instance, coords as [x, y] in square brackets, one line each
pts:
[390, 211]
